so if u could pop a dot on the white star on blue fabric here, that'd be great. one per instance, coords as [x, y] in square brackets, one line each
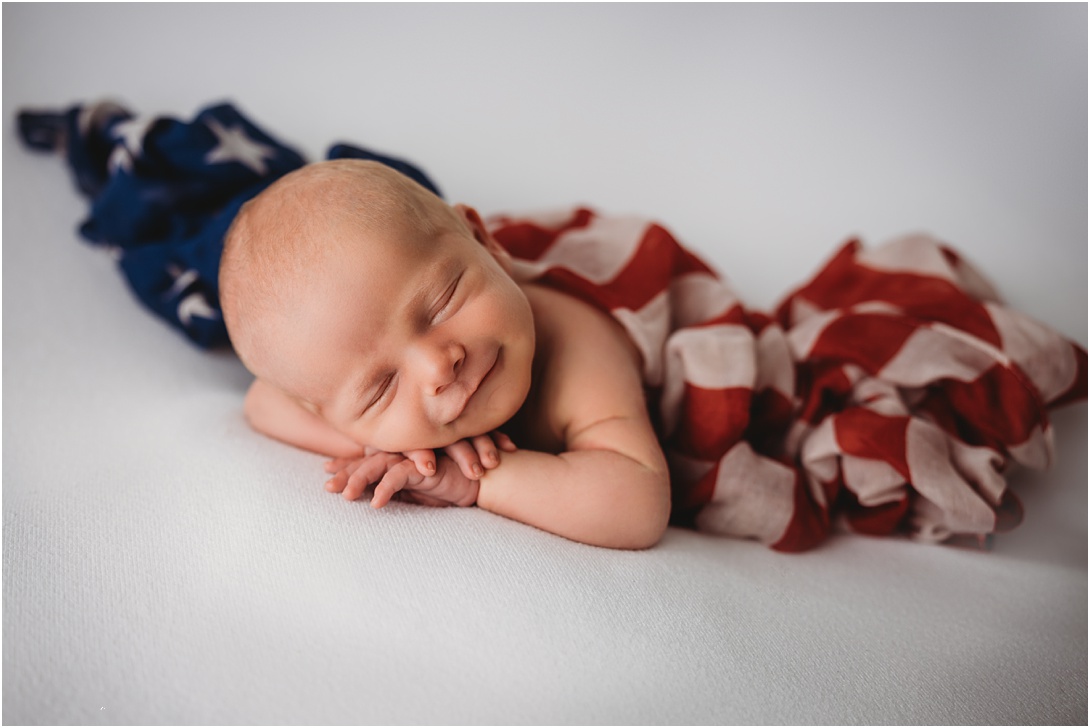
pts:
[235, 146]
[195, 304]
[131, 135]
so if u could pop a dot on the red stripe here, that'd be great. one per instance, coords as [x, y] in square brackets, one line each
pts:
[711, 421]
[771, 415]
[529, 241]
[880, 520]
[822, 388]
[758, 321]
[998, 409]
[689, 497]
[867, 434]
[654, 264]
[844, 282]
[867, 339]
[657, 260]
[809, 523]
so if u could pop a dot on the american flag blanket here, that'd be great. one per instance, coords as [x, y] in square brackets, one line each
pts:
[888, 394]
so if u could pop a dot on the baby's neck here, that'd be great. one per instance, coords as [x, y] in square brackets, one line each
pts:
[529, 428]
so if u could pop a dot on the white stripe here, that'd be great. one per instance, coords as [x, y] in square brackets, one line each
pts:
[937, 351]
[698, 297]
[597, 252]
[935, 479]
[648, 329]
[981, 466]
[775, 369]
[754, 497]
[917, 253]
[1037, 451]
[1045, 357]
[715, 357]
[874, 482]
[801, 337]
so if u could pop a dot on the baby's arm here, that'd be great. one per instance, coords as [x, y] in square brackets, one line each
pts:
[610, 488]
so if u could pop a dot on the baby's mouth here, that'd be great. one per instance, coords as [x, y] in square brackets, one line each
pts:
[475, 388]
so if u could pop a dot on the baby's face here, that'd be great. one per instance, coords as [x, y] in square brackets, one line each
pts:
[410, 343]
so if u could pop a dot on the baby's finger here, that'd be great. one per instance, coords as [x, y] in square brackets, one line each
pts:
[424, 460]
[337, 483]
[395, 479]
[367, 472]
[486, 450]
[332, 466]
[503, 442]
[466, 458]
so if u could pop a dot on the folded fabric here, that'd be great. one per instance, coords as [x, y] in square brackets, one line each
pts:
[890, 393]
[164, 192]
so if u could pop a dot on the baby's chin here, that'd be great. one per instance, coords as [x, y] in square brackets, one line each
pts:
[497, 412]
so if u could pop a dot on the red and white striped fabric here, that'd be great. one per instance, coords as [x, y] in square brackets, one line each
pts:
[888, 394]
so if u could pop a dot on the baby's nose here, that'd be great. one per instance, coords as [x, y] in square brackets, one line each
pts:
[440, 366]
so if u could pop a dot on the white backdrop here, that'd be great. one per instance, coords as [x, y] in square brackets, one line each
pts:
[163, 564]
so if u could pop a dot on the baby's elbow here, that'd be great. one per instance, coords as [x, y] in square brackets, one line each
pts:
[643, 537]
[649, 516]
[651, 530]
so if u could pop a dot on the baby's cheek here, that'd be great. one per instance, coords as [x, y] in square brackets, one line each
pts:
[399, 434]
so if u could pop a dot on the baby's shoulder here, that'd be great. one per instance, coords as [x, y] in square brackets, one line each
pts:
[587, 368]
[565, 323]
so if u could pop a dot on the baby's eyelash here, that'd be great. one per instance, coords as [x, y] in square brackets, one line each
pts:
[447, 299]
[380, 394]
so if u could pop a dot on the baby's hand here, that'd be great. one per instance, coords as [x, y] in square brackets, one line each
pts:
[351, 476]
[448, 486]
[473, 455]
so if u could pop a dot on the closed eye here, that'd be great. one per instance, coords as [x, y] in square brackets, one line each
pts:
[381, 393]
[446, 302]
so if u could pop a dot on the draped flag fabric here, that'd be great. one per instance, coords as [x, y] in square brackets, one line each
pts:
[888, 394]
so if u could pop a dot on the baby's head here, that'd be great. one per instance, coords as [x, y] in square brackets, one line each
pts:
[377, 306]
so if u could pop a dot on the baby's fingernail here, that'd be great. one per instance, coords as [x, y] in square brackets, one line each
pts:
[477, 471]
[430, 467]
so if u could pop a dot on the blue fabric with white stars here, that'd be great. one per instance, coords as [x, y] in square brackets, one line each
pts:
[163, 193]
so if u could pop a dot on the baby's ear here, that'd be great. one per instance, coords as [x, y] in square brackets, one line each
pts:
[481, 233]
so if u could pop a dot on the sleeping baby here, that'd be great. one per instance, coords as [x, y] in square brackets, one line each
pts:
[383, 324]
[417, 344]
